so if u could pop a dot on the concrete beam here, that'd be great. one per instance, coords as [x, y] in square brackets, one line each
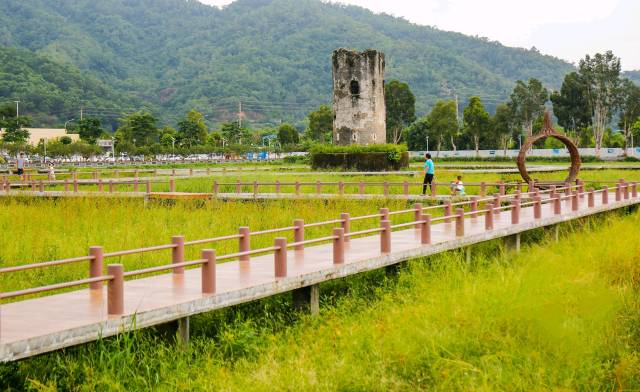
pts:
[307, 299]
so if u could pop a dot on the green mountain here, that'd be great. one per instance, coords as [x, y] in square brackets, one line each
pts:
[52, 92]
[273, 55]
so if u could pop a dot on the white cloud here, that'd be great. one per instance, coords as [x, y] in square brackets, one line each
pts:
[568, 29]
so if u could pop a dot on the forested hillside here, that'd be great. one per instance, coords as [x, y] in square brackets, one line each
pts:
[56, 90]
[274, 55]
[633, 75]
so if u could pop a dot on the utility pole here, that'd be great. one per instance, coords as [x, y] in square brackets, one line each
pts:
[239, 114]
[81, 113]
[17, 108]
[457, 114]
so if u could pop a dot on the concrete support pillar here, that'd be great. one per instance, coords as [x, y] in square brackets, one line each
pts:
[512, 242]
[467, 254]
[183, 331]
[307, 299]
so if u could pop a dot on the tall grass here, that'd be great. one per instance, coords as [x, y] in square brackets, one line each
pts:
[556, 316]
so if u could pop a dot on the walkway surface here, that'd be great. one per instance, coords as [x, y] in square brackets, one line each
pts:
[48, 323]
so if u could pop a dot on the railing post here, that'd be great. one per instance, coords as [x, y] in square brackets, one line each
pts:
[177, 253]
[75, 185]
[100, 186]
[532, 187]
[172, 185]
[448, 211]
[434, 189]
[634, 190]
[346, 224]
[405, 188]
[41, 186]
[110, 186]
[298, 233]
[483, 189]
[515, 211]
[341, 188]
[280, 257]
[590, 198]
[385, 236]
[425, 229]
[338, 245]
[148, 186]
[605, 195]
[278, 187]
[95, 266]
[625, 188]
[557, 205]
[361, 188]
[488, 217]
[497, 203]
[66, 185]
[537, 207]
[417, 214]
[318, 188]
[135, 185]
[238, 187]
[209, 271]
[575, 198]
[618, 192]
[474, 206]
[244, 242]
[255, 188]
[459, 222]
[115, 289]
[384, 212]
[502, 188]
[386, 189]
[215, 187]
[297, 187]
[190, 172]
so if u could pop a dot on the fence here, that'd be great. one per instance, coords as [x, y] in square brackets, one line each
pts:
[338, 236]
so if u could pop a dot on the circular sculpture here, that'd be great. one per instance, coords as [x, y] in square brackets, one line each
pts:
[548, 131]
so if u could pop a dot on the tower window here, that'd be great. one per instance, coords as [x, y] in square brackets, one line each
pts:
[355, 137]
[354, 87]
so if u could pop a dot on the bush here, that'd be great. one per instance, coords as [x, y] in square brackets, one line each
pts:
[302, 159]
[379, 157]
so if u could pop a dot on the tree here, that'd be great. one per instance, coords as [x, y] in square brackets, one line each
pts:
[601, 74]
[629, 102]
[192, 130]
[527, 103]
[320, 124]
[502, 126]
[138, 129]
[401, 109]
[416, 135]
[442, 121]
[14, 131]
[231, 132]
[476, 121]
[571, 105]
[89, 129]
[288, 134]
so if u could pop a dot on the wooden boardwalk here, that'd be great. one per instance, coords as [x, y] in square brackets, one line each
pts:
[40, 325]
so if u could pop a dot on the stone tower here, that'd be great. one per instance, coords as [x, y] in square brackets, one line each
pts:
[358, 97]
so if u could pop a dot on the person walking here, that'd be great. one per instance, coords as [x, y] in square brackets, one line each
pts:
[429, 171]
[20, 164]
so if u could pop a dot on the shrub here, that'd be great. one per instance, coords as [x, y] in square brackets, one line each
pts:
[379, 157]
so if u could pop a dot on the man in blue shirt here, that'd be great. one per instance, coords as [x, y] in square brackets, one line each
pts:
[429, 171]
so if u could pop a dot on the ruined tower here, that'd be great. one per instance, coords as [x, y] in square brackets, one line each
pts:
[358, 97]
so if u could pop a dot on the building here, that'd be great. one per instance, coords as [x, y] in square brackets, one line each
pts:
[48, 134]
[358, 97]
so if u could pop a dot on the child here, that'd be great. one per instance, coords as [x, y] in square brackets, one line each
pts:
[457, 187]
[52, 172]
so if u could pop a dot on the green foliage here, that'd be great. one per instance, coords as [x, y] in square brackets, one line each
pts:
[138, 129]
[629, 102]
[288, 134]
[571, 104]
[442, 122]
[321, 124]
[192, 130]
[89, 129]
[476, 121]
[503, 127]
[14, 131]
[416, 135]
[400, 109]
[527, 103]
[176, 56]
[375, 157]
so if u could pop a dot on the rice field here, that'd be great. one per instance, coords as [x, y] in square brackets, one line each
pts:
[556, 316]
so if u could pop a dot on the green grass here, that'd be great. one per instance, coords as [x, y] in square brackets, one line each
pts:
[554, 317]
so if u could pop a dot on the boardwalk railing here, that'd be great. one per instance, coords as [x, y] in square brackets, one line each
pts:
[423, 219]
[386, 188]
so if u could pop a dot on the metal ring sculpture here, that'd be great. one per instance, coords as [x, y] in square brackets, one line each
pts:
[548, 131]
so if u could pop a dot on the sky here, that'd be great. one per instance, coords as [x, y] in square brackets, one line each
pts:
[567, 29]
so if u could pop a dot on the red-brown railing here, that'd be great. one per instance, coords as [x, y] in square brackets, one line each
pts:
[493, 206]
